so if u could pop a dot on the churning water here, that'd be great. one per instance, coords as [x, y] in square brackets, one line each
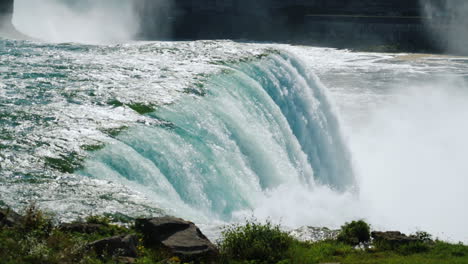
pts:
[216, 131]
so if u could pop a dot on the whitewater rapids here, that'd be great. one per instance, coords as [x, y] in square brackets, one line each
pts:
[217, 131]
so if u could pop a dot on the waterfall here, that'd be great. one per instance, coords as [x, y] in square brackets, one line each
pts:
[256, 127]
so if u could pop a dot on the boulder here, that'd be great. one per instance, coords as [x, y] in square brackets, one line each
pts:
[182, 238]
[126, 260]
[393, 238]
[9, 218]
[123, 246]
[85, 228]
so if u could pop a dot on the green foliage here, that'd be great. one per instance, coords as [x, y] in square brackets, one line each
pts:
[35, 239]
[261, 243]
[422, 243]
[36, 221]
[97, 219]
[115, 103]
[355, 233]
[423, 236]
[317, 252]
[93, 147]
[65, 163]
[141, 108]
[413, 248]
[115, 131]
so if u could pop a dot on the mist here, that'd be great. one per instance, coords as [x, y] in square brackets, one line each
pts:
[448, 24]
[411, 160]
[87, 21]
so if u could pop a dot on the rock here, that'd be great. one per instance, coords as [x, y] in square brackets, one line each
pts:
[9, 218]
[123, 246]
[393, 238]
[182, 238]
[314, 234]
[126, 260]
[85, 228]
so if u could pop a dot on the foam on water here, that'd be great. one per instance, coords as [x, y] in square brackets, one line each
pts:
[238, 130]
[220, 153]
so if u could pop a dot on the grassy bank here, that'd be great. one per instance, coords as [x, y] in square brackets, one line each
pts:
[266, 243]
[36, 239]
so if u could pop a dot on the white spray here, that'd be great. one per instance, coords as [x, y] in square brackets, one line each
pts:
[412, 160]
[448, 23]
[98, 21]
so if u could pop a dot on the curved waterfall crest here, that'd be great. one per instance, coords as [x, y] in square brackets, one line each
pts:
[262, 124]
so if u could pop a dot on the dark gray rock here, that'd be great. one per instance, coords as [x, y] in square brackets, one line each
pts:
[126, 260]
[180, 237]
[85, 228]
[124, 246]
[9, 218]
[393, 238]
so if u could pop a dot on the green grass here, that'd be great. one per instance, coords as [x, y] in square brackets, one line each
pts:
[262, 243]
[336, 252]
[36, 239]
[256, 243]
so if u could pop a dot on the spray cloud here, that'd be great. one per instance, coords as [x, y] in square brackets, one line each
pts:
[448, 23]
[88, 21]
[411, 159]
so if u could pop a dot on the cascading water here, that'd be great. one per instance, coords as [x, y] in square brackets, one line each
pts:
[238, 129]
[259, 125]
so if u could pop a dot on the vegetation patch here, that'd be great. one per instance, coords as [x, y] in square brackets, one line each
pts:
[92, 147]
[261, 243]
[65, 163]
[115, 103]
[114, 131]
[197, 89]
[141, 108]
[355, 233]
[35, 237]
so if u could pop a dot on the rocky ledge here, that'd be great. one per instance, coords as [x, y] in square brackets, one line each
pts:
[177, 238]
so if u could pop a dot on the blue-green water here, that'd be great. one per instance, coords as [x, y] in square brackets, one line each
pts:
[261, 124]
[190, 131]
[216, 131]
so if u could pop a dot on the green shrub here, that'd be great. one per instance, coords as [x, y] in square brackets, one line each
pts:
[355, 233]
[447, 250]
[422, 236]
[260, 243]
[319, 252]
[413, 248]
[36, 221]
[96, 219]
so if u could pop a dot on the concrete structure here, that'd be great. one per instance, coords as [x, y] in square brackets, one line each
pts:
[339, 23]
[6, 11]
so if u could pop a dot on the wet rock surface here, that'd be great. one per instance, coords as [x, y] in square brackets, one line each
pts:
[124, 246]
[314, 234]
[393, 238]
[85, 228]
[9, 218]
[180, 237]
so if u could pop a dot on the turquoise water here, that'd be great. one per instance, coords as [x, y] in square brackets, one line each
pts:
[260, 124]
[219, 131]
[151, 128]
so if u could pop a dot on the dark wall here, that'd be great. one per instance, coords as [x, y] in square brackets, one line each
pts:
[6, 8]
[342, 23]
